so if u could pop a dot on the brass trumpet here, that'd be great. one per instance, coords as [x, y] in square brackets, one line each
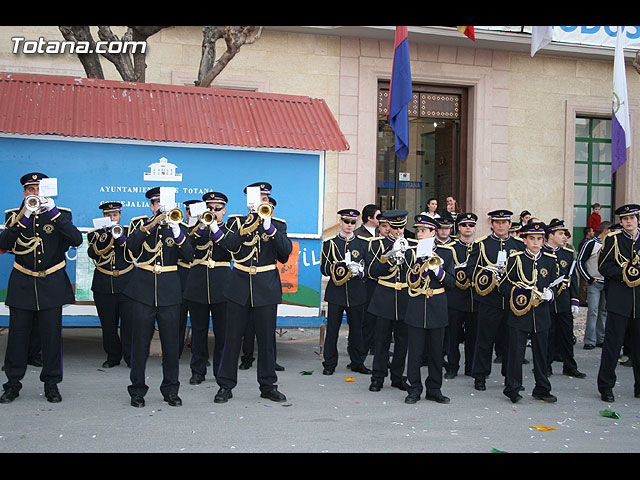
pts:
[264, 210]
[175, 215]
[434, 262]
[32, 202]
[117, 231]
[207, 218]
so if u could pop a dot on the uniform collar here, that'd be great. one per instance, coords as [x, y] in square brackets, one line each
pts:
[341, 235]
[531, 255]
[497, 238]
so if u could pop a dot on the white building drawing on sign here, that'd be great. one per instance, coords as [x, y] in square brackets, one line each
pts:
[162, 171]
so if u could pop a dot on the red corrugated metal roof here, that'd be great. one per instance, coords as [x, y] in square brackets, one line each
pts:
[86, 107]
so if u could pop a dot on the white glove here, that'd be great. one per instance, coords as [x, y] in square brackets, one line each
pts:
[547, 294]
[175, 229]
[575, 309]
[214, 226]
[48, 204]
[266, 223]
[353, 266]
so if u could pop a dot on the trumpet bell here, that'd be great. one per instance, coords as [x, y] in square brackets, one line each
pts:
[117, 231]
[265, 210]
[207, 218]
[175, 216]
[32, 202]
[433, 263]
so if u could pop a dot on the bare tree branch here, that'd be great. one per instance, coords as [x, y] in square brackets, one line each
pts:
[90, 61]
[234, 37]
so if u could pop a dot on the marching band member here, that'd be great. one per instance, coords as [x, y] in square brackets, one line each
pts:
[385, 261]
[462, 307]
[257, 242]
[343, 262]
[619, 264]
[528, 287]
[485, 268]
[204, 289]
[566, 303]
[107, 249]
[156, 243]
[426, 316]
[183, 271]
[39, 234]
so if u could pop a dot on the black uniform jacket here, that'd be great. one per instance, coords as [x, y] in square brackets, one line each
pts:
[484, 252]
[38, 280]
[390, 297]
[354, 291]
[155, 281]
[114, 267]
[255, 279]
[461, 297]
[520, 268]
[211, 266]
[618, 248]
[568, 290]
[427, 306]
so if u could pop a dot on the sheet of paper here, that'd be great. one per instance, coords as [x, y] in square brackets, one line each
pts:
[253, 197]
[197, 208]
[425, 247]
[49, 187]
[168, 197]
[502, 257]
[347, 257]
[101, 222]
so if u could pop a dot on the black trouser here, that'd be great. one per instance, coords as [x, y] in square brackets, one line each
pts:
[515, 358]
[182, 332]
[355, 342]
[368, 329]
[264, 319]
[462, 329]
[561, 340]
[432, 340]
[114, 309]
[248, 343]
[492, 322]
[384, 329]
[614, 336]
[200, 314]
[21, 324]
[144, 318]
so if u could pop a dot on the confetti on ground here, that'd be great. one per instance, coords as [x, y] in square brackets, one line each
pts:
[349, 379]
[609, 413]
[542, 428]
[495, 450]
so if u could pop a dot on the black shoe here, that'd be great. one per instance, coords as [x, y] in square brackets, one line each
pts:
[480, 385]
[450, 375]
[359, 369]
[110, 363]
[223, 395]
[196, 379]
[401, 385]
[498, 360]
[574, 372]
[9, 396]
[279, 368]
[53, 395]
[137, 401]
[35, 361]
[588, 346]
[173, 400]
[274, 395]
[600, 344]
[516, 398]
[375, 386]
[607, 396]
[245, 365]
[412, 398]
[546, 397]
[438, 397]
[328, 370]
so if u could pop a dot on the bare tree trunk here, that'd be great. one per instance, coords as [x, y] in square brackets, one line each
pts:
[234, 37]
[90, 61]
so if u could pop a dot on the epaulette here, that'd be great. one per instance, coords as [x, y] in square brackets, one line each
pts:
[64, 208]
[481, 239]
[552, 255]
[279, 219]
[376, 238]
[518, 238]
[235, 215]
[569, 249]
[12, 210]
[515, 254]
[445, 245]
[412, 240]
[366, 239]
[615, 232]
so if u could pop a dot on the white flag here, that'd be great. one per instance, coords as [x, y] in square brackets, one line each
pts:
[620, 130]
[540, 38]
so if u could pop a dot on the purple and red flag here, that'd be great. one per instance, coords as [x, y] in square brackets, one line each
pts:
[400, 93]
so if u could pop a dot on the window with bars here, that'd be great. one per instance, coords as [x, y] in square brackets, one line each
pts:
[593, 182]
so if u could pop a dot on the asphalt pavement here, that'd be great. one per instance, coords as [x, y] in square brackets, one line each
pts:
[322, 414]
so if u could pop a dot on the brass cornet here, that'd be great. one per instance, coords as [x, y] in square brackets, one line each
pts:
[32, 202]
[434, 262]
[265, 210]
[117, 231]
[207, 218]
[175, 215]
